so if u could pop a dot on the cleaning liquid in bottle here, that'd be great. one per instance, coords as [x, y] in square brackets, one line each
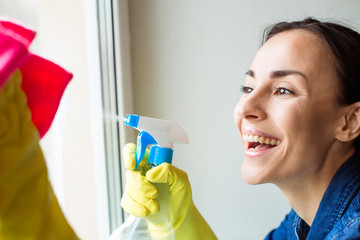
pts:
[161, 135]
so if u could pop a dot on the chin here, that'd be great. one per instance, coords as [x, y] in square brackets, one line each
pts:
[252, 176]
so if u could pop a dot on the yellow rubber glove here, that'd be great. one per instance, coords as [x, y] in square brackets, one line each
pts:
[28, 206]
[140, 195]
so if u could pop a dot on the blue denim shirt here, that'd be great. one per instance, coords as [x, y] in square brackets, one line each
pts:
[338, 216]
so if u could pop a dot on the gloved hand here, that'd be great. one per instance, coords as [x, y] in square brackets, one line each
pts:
[140, 196]
[28, 206]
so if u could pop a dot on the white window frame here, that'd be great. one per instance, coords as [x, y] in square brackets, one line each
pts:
[108, 39]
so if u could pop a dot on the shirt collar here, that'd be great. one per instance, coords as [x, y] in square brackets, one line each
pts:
[342, 189]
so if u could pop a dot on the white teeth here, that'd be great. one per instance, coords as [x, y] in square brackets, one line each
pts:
[261, 139]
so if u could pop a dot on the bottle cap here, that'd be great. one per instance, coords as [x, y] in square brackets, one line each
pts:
[159, 155]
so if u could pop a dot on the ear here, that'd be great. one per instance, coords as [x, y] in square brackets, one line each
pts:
[350, 124]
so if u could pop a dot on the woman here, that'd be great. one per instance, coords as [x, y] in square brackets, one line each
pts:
[299, 118]
[302, 91]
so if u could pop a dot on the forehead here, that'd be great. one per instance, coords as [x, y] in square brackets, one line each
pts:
[298, 50]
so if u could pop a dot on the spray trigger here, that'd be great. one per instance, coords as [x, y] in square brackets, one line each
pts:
[143, 140]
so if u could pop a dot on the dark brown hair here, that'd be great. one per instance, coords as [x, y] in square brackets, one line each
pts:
[344, 44]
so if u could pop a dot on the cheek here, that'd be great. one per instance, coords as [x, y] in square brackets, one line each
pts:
[288, 117]
[295, 124]
[305, 125]
[317, 119]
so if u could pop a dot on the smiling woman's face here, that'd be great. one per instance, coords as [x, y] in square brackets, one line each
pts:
[288, 114]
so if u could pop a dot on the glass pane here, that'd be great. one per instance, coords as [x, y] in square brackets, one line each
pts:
[110, 108]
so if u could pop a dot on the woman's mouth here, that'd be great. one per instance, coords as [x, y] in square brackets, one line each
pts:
[255, 144]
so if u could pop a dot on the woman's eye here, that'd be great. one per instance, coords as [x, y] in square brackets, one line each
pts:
[283, 91]
[246, 90]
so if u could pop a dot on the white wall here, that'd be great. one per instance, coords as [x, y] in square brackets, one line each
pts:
[189, 58]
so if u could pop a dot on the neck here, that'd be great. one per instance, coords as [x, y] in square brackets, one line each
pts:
[304, 193]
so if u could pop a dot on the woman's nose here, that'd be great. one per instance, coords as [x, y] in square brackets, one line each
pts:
[251, 107]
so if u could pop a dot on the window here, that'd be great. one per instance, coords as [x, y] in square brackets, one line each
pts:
[117, 96]
[67, 33]
[111, 109]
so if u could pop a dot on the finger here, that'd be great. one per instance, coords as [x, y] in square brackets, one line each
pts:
[137, 181]
[129, 151]
[129, 154]
[167, 173]
[149, 203]
[133, 207]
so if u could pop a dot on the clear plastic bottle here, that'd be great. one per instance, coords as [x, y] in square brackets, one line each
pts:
[162, 134]
[132, 229]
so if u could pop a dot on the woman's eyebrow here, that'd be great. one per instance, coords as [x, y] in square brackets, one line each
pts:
[250, 73]
[283, 73]
[278, 73]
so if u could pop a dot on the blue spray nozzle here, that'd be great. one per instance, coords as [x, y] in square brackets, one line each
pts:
[144, 139]
[132, 120]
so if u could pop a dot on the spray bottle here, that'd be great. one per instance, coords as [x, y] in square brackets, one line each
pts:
[161, 135]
